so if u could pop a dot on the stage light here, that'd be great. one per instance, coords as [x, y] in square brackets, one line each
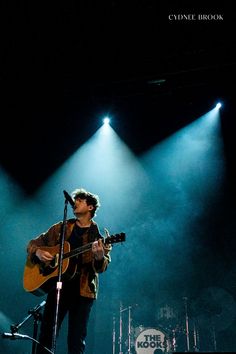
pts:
[218, 105]
[106, 120]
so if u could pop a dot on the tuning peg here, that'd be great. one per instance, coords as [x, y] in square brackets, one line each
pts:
[107, 234]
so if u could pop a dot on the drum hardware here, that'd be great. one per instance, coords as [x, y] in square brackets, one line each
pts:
[122, 310]
[186, 323]
[173, 340]
[214, 338]
[114, 335]
[195, 338]
[172, 335]
[166, 313]
[129, 329]
[120, 327]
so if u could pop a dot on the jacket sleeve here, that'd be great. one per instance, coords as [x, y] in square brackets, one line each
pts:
[48, 238]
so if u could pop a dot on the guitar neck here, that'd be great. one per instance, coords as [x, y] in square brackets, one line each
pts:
[78, 251]
[109, 240]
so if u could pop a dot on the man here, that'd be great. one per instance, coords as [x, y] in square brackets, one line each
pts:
[77, 294]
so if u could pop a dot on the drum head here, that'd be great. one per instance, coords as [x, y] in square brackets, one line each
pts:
[152, 340]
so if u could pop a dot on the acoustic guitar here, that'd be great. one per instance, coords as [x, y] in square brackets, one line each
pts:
[39, 277]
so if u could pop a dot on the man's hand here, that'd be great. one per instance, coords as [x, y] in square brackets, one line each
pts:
[43, 256]
[98, 250]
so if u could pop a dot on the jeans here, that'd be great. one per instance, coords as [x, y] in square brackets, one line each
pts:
[78, 309]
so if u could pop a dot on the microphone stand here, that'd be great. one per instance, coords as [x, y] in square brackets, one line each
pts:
[35, 312]
[32, 312]
[59, 281]
[37, 318]
[14, 336]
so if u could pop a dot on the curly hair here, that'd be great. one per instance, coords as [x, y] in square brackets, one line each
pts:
[91, 199]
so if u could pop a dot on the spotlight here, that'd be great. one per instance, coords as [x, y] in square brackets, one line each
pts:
[106, 120]
[218, 105]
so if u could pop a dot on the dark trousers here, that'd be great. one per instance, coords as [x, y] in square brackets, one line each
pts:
[78, 309]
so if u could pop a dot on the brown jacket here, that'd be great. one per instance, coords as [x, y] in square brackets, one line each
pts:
[90, 267]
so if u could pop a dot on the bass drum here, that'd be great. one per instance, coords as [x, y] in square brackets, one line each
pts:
[152, 341]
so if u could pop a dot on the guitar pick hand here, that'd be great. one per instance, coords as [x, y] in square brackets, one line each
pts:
[44, 256]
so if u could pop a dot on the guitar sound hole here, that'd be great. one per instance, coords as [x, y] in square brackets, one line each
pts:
[47, 268]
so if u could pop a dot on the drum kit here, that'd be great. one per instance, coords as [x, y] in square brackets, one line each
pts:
[171, 334]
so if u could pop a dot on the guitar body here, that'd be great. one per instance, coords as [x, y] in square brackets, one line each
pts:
[39, 278]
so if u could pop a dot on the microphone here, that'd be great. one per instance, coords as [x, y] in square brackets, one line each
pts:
[69, 199]
[37, 307]
[14, 336]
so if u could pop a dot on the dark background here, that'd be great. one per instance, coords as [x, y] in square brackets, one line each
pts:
[65, 66]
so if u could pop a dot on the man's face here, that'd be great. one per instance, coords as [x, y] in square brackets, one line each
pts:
[81, 206]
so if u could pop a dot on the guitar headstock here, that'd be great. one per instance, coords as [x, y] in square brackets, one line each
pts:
[115, 238]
